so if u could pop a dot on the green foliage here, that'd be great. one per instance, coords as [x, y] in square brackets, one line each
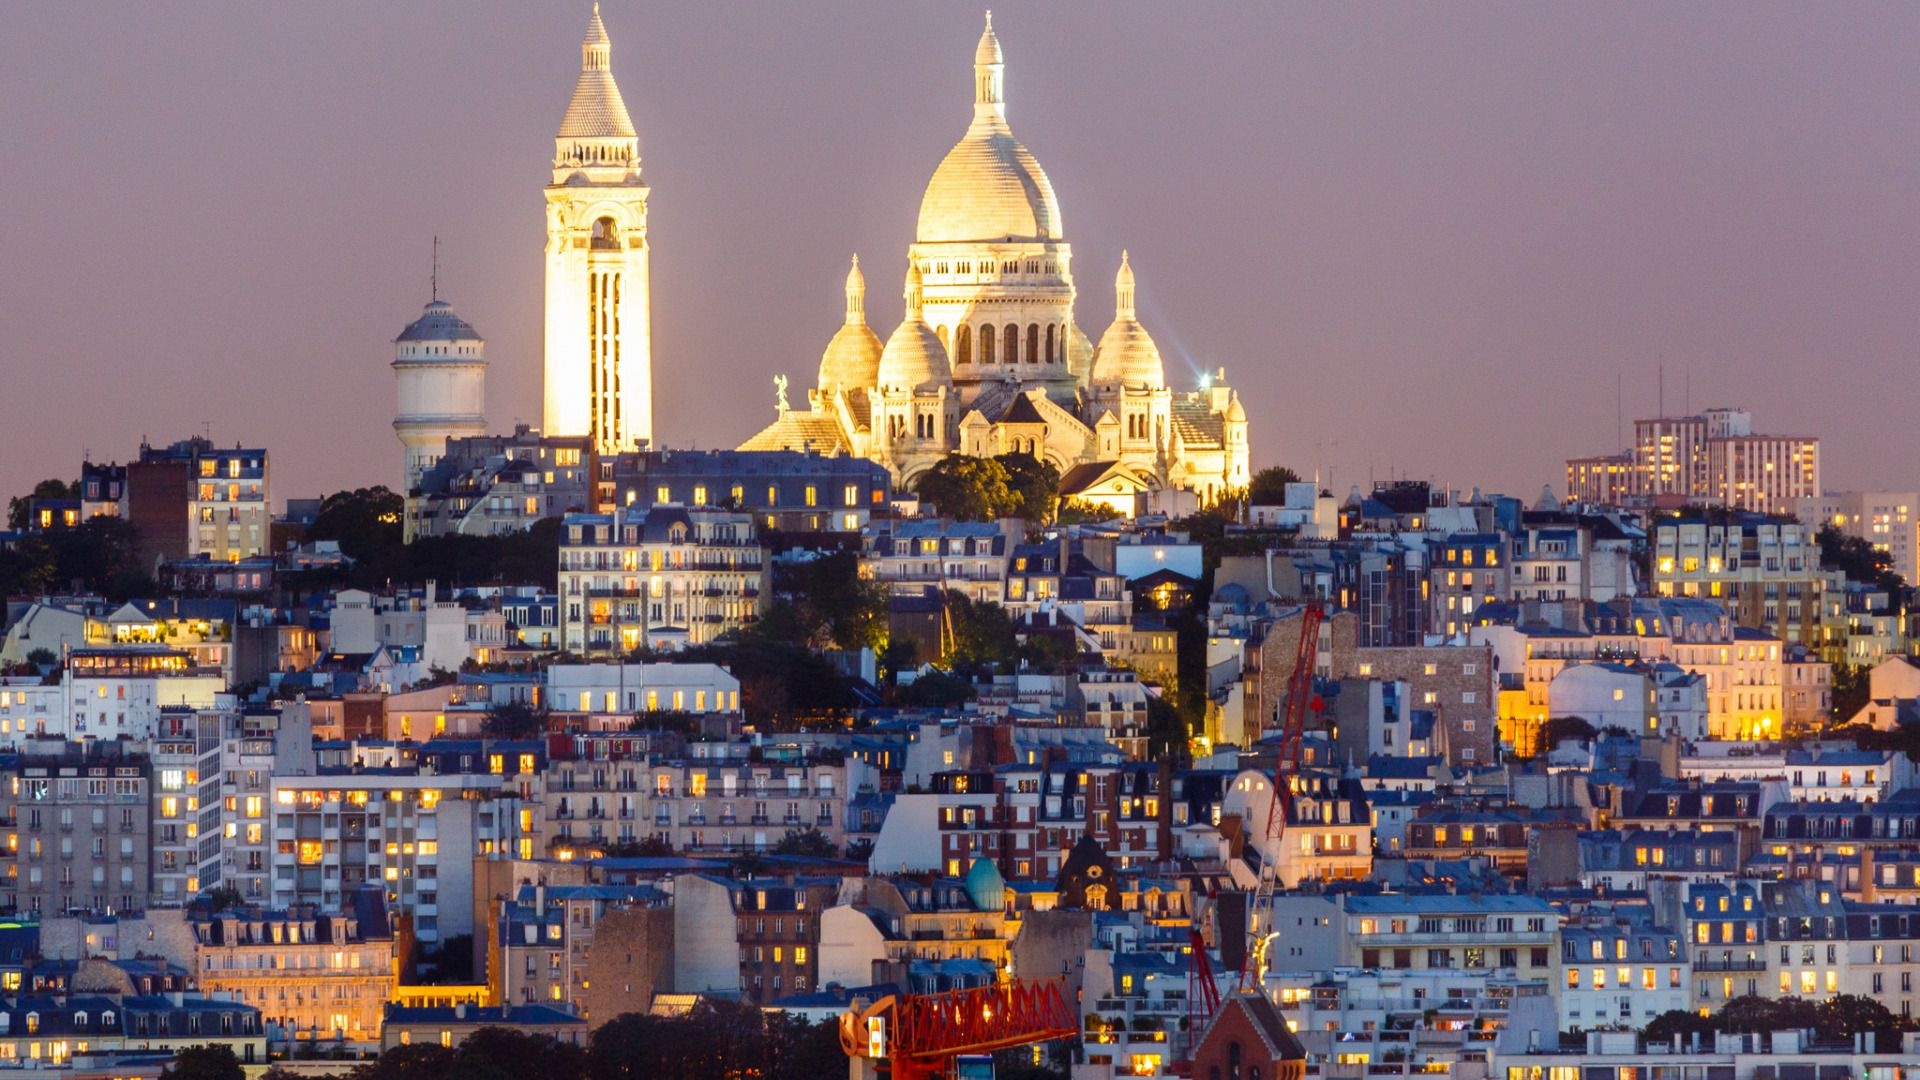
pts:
[365, 521]
[934, 690]
[1851, 691]
[982, 633]
[811, 843]
[716, 1039]
[1835, 1019]
[781, 683]
[825, 603]
[514, 720]
[1568, 727]
[1168, 733]
[356, 520]
[1269, 486]
[1077, 512]
[100, 555]
[967, 488]
[1034, 487]
[491, 1053]
[20, 505]
[204, 1063]
[1859, 560]
[223, 897]
[43, 657]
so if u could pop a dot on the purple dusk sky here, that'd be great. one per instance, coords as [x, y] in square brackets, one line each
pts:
[1421, 238]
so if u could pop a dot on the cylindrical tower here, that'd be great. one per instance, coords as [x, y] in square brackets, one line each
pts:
[440, 372]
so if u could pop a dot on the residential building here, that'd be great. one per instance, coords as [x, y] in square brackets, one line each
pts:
[79, 821]
[658, 578]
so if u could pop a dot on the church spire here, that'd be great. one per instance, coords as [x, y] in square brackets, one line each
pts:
[1123, 291]
[989, 74]
[596, 111]
[914, 306]
[596, 52]
[856, 295]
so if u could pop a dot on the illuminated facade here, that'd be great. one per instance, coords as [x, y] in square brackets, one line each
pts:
[988, 358]
[1712, 458]
[599, 366]
[440, 371]
[658, 578]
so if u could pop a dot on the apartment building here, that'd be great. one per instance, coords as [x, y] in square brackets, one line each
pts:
[78, 825]
[1470, 933]
[315, 976]
[412, 831]
[1765, 570]
[658, 578]
[913, 555]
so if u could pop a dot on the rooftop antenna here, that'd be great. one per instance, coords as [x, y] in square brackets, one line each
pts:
[435, 280]
[1619, 413]
[1663, 388]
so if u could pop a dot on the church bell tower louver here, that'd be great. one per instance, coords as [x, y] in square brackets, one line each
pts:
[599, 362]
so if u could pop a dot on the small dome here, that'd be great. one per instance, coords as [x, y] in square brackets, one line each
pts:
[914, 359]
[1126, 354]
[988, 51]
[852, 359]
[1236, 412]
[988, 187]
[439, 323]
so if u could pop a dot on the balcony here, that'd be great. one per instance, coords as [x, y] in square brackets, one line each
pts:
[1731, 964]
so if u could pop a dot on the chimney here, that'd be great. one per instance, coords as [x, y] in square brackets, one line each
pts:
[460, 1011]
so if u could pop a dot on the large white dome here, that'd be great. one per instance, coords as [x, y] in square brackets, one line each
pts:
[989, 187]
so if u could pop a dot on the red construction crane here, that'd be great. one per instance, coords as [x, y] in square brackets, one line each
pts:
[1293, 727]
[922, 1034]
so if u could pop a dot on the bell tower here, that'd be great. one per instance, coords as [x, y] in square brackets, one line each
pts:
[599, 362]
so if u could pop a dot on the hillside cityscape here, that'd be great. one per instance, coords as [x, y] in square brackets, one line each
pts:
[995, 710]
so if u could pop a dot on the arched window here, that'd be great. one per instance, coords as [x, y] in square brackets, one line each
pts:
[606, 235]
[986, 344]
[1011, 342]
[1049, 343]
[964, 340]
[1233, 1061]
[1033, 343]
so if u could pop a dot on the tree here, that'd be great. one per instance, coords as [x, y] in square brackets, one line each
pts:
[1682, 1022]
[223, 898]
[366, 522]
[503, 1053]
[1033, 486]
[1859, 560]
[1269, 486]
[982, 633]
[421, 1061]
[1080, 512]
[1561, 728]
[19, 506]
[1852, 688]
[1846, 1015]
[967, 488]
[204, 1063]
[811, 843]
[825, 603]
[514, 720]
[934, 690]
